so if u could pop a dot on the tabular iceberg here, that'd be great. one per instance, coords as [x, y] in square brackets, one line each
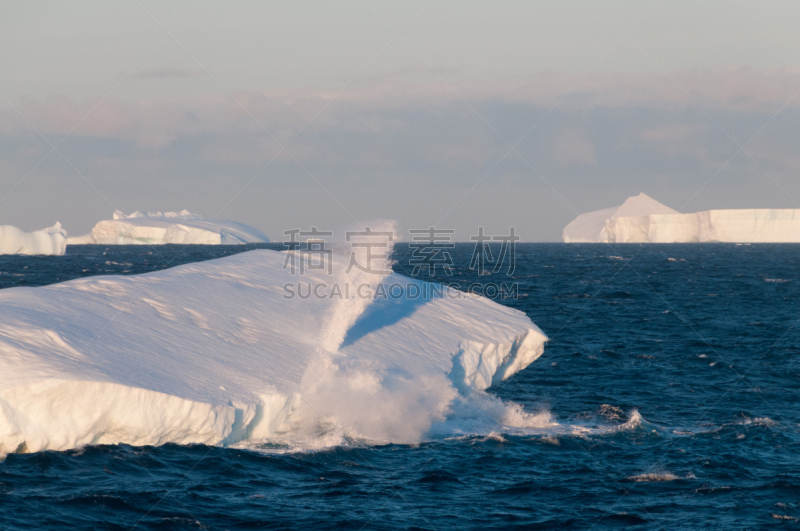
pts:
[220, 352]
[643, 220]
[49, 241]
[598, 226]
[168, 227]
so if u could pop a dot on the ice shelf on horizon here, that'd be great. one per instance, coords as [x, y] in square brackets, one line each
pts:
[168, 227]
[217, 352]
[642, 219]
[49, 241]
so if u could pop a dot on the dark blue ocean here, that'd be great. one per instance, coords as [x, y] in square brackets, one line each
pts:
[673, 372]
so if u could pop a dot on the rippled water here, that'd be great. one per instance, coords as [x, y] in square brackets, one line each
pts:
[672, 374]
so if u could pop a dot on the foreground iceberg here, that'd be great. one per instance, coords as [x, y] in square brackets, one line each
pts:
[643, 220]
[237, 349]
[49, 241]
[168, 227]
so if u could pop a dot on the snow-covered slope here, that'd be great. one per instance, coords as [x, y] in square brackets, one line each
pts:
[593, 227]
[168, 227]
[220, 352]
[648, 222]
[51, 241]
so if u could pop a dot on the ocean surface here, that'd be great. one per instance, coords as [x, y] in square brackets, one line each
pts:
[672, 376]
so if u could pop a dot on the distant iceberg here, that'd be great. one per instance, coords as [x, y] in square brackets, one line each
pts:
[219, 352]
[598, 226]
[642, 219]
[49, 241]
[168, 227]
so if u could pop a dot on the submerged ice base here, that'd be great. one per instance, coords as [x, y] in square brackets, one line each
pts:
[155, 228]
[218, 353]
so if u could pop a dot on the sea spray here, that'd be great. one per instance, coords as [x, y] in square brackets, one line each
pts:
[361, 399]
[368, 253]
[364, 400]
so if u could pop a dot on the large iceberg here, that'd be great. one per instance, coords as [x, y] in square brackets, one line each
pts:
[641, 219]
[168, 227]
[49, 241]
[598, 226]
[246, 348]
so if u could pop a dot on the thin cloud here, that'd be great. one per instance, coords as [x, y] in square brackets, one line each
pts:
[608, 128]
[166, 73]
[572, 149]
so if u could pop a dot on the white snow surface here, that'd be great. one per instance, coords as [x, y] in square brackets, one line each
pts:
[647, 221]
[168, 227]
[49, 241]
[217, 353]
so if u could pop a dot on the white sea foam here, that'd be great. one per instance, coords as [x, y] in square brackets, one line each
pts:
[758, 421]
[635, 421]
[652, 477]
[785, 517]
[493, 436]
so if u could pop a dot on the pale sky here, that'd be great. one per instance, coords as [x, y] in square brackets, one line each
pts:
[451, 114]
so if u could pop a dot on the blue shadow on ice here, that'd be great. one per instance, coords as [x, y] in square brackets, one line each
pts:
[386, 311]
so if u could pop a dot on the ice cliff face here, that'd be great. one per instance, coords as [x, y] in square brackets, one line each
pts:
[598, 226]
[221, 352]
[168, 227]
[648, 221]
[50, 241]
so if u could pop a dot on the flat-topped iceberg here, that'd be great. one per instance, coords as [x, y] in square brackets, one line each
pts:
[168, 227]
[641, 219]
[49, 241]
[598, 226]
[247, 348]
